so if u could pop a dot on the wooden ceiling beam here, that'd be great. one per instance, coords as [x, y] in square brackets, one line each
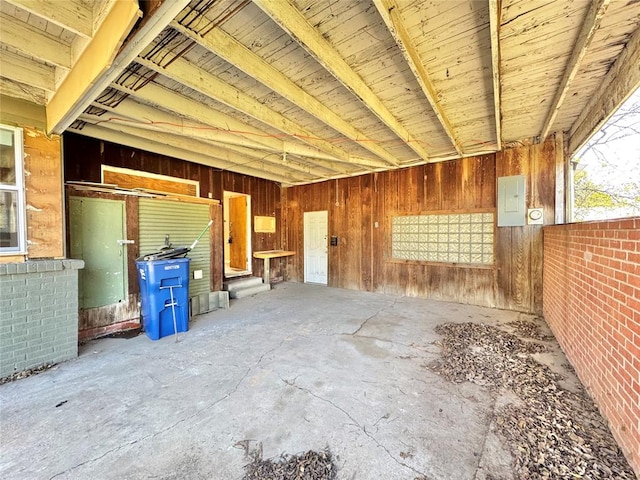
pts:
[226, 128]
[622, 79]
[73, 16]
[29, 72]
[588, 31]
[184, 72]
[235, 53]
[73, 101]
[180, 148]
[494, 29]
[390, 13]
[32, 41]
[289, 18]
[165, 107]
[135, 118]
[92, 64]
[9, 88]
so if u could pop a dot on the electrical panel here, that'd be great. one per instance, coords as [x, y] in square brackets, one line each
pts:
[512, 197]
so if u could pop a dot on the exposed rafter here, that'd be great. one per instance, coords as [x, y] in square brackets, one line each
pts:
[226, 128]
[188, 74]
[228, 159]
[622, 79]
[130, 114]
[241, 57]
[31, 41]
[19, 69]
[296, 25]
[17, 90]
[390, 13]
[72, 103]
[494, 28]
[177, 147]
[94, 62]
[74, 16]
[589, 28]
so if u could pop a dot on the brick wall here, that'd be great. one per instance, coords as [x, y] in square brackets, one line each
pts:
[38, 313]
[591, 300]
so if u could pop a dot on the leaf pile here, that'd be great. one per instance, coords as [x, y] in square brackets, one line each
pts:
[484, 355]
[310, 465]
[529, 329]
[26, 373]
[552, 433]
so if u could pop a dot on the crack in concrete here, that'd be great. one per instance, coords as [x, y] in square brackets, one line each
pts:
[380, 310]
[371, 337]
[182, 420]
[355, 423]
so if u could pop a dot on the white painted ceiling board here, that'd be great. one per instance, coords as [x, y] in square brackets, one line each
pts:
[452, 40]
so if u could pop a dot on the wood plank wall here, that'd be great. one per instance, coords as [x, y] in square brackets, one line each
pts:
[362, 258]
[83, 157]
[519, 256]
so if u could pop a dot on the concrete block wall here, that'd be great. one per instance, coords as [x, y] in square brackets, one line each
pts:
[591, 301]
[38, 313]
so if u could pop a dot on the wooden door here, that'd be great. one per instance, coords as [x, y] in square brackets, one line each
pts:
[238, 232]
[316, 259]
[97, 230]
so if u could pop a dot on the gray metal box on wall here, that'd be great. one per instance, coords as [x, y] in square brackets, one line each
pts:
[512, 197]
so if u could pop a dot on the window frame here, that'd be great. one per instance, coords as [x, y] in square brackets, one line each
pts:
[19, 188]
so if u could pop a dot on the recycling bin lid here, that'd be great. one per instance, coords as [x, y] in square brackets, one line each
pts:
[165, 254]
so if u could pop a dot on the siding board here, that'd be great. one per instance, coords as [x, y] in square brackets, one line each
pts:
[362, 258]
[84, 157]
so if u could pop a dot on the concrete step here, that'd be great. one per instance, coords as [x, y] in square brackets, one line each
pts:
[242, 283]
[247, 292]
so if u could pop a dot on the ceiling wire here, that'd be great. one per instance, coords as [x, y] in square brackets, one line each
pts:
[136, 76]
[112, 92]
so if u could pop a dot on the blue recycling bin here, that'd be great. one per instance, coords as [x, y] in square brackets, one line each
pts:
[164, 289]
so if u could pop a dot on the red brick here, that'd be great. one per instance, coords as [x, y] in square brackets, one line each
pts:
[593, 308]
[626, 224]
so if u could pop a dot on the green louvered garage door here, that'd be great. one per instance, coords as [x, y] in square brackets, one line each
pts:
[183, 222]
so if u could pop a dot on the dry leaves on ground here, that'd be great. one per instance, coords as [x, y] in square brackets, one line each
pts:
[553, 433]
[310, 465]
[26, 373]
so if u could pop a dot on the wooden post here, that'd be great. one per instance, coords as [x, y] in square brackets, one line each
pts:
[561, 181]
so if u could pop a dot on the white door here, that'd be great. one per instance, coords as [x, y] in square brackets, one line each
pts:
[316, 263]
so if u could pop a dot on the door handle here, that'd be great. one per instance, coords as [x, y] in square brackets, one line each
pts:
[126, 242]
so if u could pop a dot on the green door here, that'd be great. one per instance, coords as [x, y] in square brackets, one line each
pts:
[96, 227]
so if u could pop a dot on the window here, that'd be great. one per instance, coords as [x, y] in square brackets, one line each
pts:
[447, 238]
[12, 210]
[605, 173]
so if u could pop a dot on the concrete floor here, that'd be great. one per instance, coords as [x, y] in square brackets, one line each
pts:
[301, 367]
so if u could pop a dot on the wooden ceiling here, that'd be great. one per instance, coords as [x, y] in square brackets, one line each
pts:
[298, 91]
